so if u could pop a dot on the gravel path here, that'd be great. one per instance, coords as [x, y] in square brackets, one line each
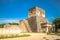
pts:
[36, 36]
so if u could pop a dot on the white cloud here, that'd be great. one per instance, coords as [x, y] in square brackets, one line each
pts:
[9, 20]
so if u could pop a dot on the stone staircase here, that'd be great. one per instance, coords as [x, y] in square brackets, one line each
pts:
[27, 26]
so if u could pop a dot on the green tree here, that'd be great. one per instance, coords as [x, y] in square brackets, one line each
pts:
[13, 23]
[2, 25]
[57, 23]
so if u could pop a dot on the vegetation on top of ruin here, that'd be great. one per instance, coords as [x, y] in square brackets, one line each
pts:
[13, 23]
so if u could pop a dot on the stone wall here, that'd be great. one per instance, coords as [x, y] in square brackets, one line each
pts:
[10, 29]
[33, 24]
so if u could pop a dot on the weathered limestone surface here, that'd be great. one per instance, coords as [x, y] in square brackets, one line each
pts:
[10, 29]
[22, 26]
[27, 26]
[33, 24]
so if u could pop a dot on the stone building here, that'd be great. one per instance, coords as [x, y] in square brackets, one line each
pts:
[36, 21]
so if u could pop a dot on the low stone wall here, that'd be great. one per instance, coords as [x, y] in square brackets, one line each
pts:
[9, 31]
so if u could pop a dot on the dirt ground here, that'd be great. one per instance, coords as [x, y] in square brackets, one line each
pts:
[36, 36]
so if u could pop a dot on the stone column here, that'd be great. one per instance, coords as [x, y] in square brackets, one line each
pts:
[47, 29]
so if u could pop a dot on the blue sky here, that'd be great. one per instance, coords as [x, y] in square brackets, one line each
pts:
[15, 10]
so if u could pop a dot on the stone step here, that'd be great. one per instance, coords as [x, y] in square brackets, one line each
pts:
[27, 25]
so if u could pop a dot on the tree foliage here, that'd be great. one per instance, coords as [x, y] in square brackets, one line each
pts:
[57, 23]
[2, 25]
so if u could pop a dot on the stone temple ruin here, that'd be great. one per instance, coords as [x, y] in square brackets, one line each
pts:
[36, 22]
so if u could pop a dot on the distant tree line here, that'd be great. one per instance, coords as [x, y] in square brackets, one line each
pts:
[2, 25]
[13, 23]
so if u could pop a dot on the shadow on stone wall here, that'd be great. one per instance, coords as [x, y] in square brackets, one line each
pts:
[32, 23]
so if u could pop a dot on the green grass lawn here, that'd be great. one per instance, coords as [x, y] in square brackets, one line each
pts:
[13, 36]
